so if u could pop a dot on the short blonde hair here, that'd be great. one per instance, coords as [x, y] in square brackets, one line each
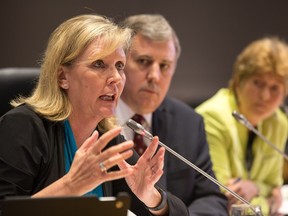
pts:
[266, 55]
[65, 44]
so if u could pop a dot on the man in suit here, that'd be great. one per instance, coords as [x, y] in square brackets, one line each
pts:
[150, 66]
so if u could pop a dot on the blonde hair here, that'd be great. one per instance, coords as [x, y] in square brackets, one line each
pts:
[266, 55]
[65, 44]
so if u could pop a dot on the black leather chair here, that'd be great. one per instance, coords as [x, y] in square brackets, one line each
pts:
[14, 82]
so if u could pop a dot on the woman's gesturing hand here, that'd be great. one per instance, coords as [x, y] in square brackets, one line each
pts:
[91, 162]
[146, 173]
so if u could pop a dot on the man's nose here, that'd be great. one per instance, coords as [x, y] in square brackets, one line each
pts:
[154, 73]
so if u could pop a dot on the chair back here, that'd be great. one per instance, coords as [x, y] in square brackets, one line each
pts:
[15, 82]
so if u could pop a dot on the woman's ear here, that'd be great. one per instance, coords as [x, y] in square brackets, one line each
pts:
[62, 78]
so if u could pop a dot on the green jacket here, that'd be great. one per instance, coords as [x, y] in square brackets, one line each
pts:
[227, 140]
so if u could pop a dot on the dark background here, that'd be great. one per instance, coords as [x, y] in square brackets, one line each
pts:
[211, 32]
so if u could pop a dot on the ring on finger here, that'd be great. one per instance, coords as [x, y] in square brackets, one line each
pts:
[102, 167]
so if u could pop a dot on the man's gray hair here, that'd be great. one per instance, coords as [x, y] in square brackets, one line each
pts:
[154, 27]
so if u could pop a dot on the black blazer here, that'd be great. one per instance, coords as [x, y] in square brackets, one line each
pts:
[182, 129]
[32, 157]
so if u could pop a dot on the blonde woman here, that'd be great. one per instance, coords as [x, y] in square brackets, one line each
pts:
[61, 141]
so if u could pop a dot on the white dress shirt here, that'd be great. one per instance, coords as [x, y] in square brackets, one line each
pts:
[123, 114]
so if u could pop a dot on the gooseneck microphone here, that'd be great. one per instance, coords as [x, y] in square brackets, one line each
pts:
[241, 118]
[138, 128]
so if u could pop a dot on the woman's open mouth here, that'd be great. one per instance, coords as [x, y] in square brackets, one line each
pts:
[108, 97]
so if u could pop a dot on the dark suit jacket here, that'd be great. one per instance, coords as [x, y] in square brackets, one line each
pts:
[181, 129]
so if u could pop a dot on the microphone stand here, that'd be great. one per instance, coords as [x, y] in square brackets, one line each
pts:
[241, 118]
[138, 128]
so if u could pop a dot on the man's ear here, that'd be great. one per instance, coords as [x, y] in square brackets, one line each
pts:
[62, 78]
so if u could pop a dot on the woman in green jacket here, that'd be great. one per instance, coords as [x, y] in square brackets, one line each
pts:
[241, 160]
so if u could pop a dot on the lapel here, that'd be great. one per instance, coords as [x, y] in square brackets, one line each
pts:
[161, 120]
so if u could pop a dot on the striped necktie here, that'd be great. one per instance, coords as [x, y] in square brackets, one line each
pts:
[139, 146]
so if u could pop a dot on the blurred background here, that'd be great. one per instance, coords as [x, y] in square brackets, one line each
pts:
[212, 33]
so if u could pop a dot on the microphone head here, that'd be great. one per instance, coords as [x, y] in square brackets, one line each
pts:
[241, 118]
[137, 128]
[237, 115]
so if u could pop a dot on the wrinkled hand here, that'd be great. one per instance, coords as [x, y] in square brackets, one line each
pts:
[146, 173]
[244, 188]
[85, 173]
